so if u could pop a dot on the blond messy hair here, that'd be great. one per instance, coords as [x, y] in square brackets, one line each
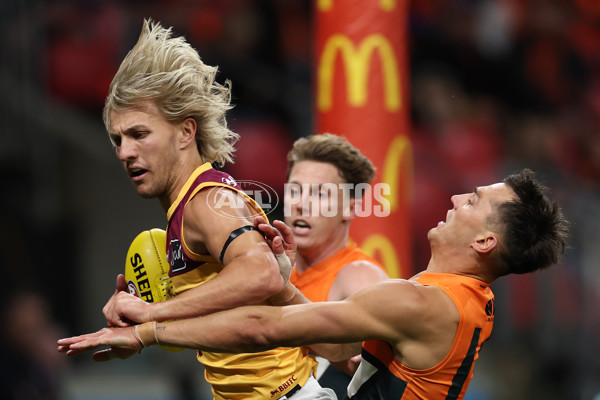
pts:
[169, 72]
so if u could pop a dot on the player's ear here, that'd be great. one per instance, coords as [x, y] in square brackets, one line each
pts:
[188, 132]
[485, 243]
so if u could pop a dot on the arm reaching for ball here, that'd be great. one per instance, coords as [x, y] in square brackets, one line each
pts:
[248, 329]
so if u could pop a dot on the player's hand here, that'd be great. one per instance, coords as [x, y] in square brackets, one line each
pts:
[279, 237]
[283, 251]
[123, 309]
[122, 341]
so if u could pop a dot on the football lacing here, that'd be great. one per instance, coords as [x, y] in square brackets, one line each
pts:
[165, 285]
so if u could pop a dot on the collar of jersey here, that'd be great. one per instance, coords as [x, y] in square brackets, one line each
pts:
[201, 169]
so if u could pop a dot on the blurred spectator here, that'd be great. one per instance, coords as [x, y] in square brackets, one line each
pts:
[82, 51]
[30, 368]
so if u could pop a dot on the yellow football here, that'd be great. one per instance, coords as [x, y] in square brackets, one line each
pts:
[147, 269]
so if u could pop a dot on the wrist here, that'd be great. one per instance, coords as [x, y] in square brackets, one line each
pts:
[146, 333]
[285, 296]
[158, 311]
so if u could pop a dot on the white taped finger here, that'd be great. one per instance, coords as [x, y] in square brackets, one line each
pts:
[285, 266]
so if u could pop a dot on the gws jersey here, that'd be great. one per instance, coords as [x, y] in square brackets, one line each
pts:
[380, 376]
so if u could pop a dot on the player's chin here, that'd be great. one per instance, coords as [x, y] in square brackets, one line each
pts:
[146, 192]
[303, 243]
[432, 233]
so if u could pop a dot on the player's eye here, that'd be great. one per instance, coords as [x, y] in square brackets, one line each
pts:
[293, 190]
[116, 140]
[139, 134]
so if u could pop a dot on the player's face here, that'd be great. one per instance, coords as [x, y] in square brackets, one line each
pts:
[144, 142]
[469, 215]
[315, 205]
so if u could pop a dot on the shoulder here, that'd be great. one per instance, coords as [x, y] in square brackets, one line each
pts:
[355, 276]
[407, 302]
[364, 268]
[213, 213]
[218, 203]
[399, 293]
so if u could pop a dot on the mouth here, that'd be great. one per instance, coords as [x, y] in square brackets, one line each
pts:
[447, 216]
[300, 227]
[444, 222]
[136, 173]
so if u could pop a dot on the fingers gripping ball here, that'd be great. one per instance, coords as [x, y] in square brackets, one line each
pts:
[147, 269]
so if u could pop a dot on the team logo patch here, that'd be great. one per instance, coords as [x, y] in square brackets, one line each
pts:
[490, 309]
[229, 181]
[175, 257]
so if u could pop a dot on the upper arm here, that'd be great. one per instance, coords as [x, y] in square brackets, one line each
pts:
[389, 309]
[403, 313]
[383, 311]
[210, 216]
[208, 222]
[353, 277]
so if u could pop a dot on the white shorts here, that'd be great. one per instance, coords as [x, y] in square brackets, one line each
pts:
[312, 391]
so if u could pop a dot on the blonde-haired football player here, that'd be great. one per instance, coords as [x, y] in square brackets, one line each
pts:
[165, 115]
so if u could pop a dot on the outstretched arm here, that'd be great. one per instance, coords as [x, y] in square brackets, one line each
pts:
[258, 328]
[245, 329]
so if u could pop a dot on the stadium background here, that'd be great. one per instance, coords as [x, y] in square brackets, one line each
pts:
[495, 85]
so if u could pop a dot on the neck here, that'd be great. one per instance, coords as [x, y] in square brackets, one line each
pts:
[309, 257]
[181, 172]
[464, 266]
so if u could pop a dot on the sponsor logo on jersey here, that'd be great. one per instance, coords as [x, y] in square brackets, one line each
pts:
[284, 386]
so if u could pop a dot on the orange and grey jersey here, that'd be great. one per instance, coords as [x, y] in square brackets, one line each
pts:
[266, 375]
[381, 376]
[316, 282]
